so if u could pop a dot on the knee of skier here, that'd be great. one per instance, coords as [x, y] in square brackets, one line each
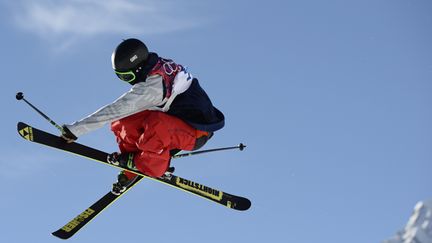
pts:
[202, 138]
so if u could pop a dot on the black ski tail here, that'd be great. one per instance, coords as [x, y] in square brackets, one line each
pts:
[73, 226]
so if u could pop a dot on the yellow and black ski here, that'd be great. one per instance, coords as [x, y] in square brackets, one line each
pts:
[90, 213]
[42, 137]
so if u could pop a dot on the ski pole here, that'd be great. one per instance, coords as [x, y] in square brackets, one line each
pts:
[20, 96]
[240, 147]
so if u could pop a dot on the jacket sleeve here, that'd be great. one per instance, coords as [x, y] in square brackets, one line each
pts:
[142, 96]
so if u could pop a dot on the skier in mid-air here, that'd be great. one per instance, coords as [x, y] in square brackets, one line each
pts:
[165, 111]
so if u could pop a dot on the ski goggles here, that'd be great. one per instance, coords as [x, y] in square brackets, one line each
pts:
[126, 76]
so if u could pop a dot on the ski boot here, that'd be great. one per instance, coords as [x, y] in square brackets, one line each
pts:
[124, 160]
[168, 174]
[122, 184]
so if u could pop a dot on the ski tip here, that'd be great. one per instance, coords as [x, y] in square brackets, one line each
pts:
[21, 124]
[25, 131]
[242, 204]
[61, 234]
[245, 205]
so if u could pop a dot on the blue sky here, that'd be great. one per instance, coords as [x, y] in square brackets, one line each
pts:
[332, 98]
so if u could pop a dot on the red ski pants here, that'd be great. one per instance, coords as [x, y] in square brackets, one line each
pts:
[151, 135]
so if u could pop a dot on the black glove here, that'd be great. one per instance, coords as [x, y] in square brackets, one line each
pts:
[124, 160]
[68, 135]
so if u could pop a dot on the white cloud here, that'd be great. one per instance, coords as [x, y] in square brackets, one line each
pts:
[72, 20]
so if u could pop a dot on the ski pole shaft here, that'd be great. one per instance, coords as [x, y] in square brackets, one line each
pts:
[20, 96]
[240, 147]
